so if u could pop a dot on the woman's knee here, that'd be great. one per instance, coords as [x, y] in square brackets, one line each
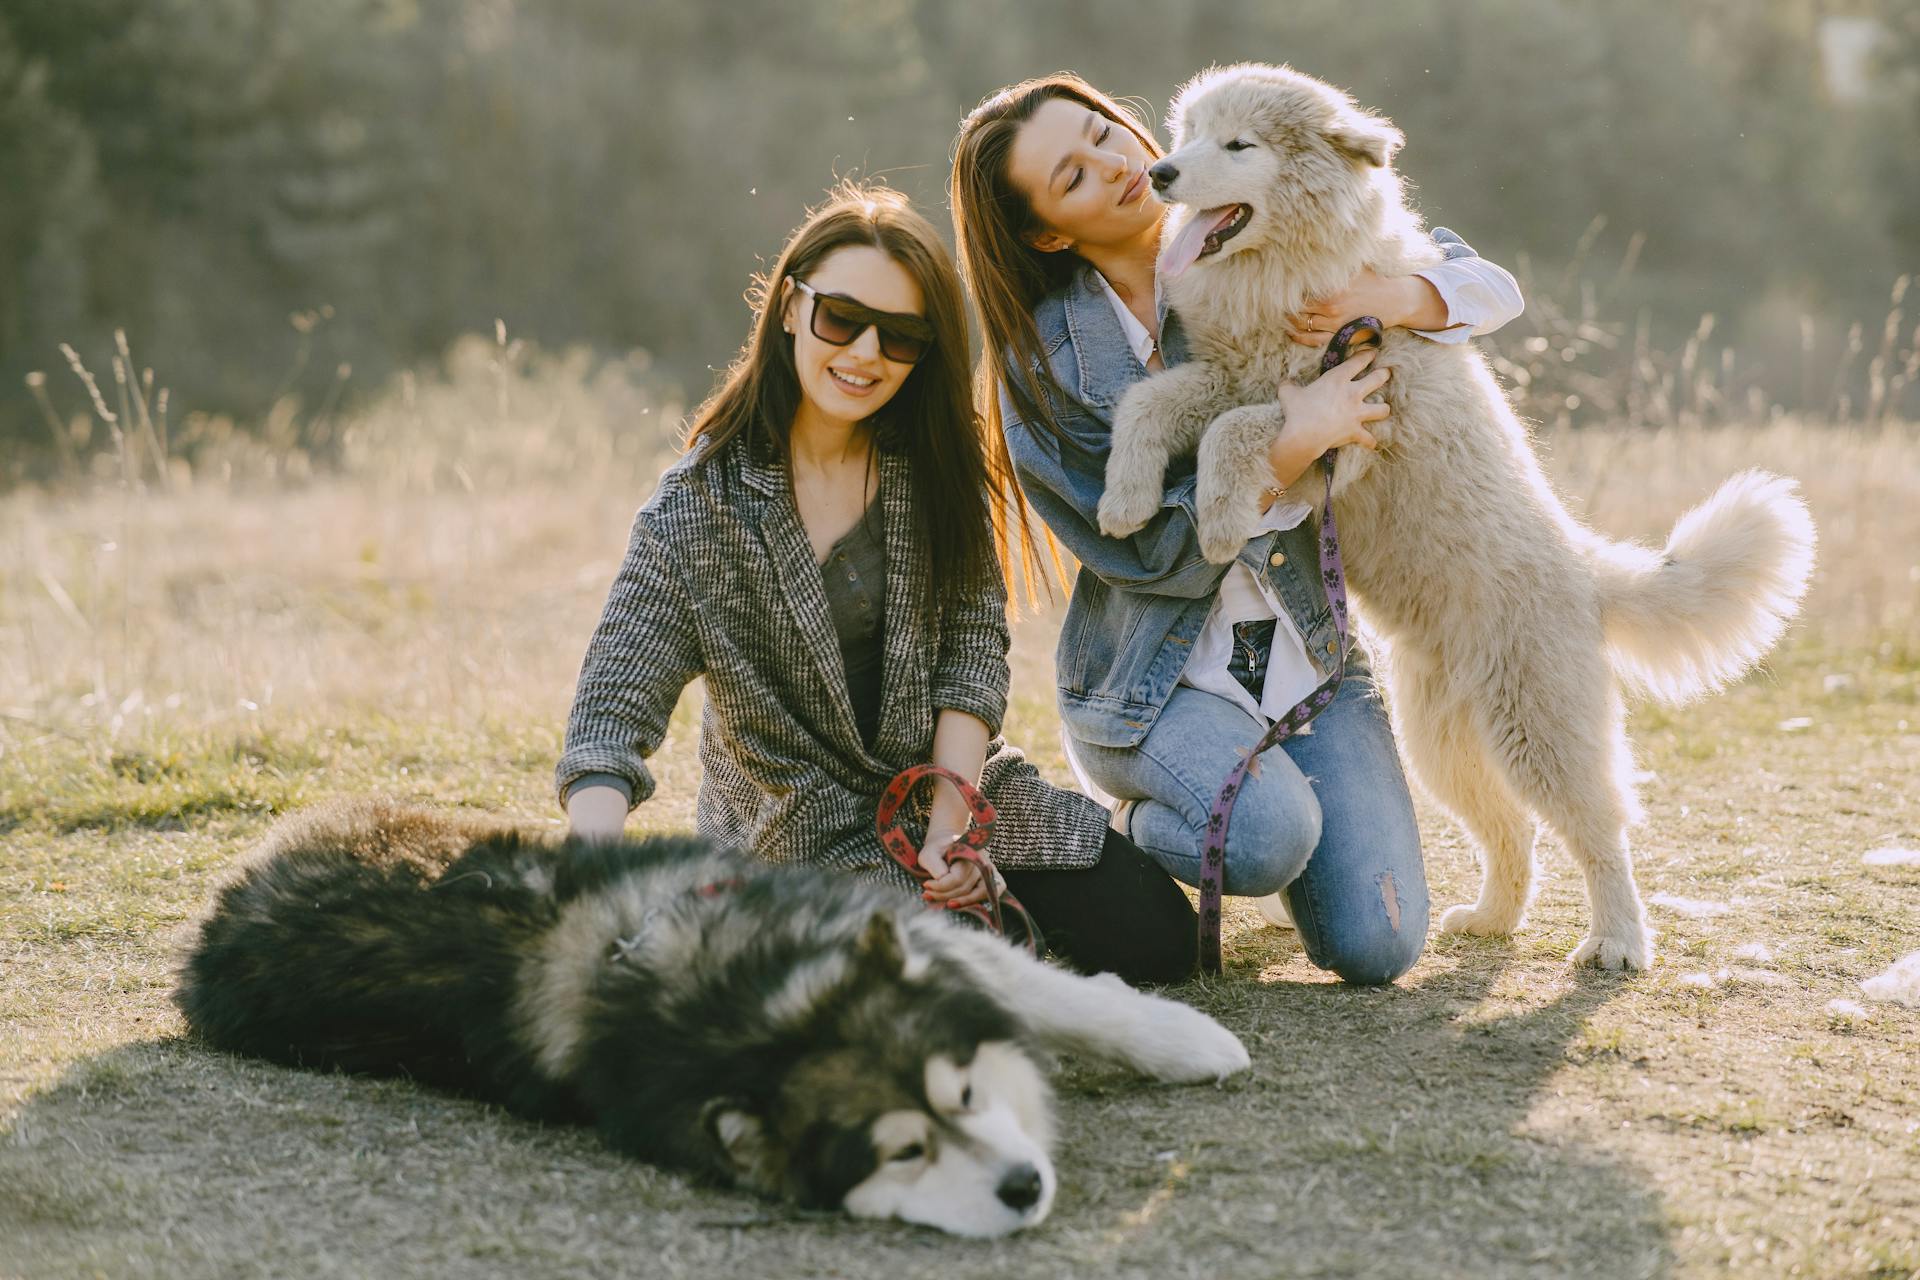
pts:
[1161, 960]
[1125, 915]
[1152, 952]
[1372, 948]
[1275, 829]
[1376, 964]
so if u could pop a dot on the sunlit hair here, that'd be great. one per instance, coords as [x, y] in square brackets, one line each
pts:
[956, 495]
[992, 220]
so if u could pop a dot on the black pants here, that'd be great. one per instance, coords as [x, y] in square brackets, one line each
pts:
[1122, 915]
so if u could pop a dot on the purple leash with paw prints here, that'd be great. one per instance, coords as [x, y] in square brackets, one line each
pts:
[1365, 331]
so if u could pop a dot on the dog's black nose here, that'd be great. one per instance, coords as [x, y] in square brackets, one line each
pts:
[1021, 1188]
[1163, 175]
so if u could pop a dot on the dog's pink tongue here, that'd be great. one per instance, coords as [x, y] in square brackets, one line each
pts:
[1185, 249]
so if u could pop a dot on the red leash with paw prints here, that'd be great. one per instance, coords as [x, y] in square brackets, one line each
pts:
[970, 847]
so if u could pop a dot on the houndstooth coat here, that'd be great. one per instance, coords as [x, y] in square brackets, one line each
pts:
[719, 581]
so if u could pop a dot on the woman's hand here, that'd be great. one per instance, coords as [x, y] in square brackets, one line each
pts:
[596, 813]
[959, 883]
[1331, 411]
[1405, 302]
[959, 744]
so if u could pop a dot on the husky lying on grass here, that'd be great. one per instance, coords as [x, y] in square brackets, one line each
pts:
[792, 1032]
[1509, 620]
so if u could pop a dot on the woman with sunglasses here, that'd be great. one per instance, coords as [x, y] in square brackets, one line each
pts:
[824, 556]
[1170, 668]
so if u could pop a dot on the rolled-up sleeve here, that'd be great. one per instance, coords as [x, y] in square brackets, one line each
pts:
[970, 671]
[1480, 296]
[644, 651]
[1063, 485]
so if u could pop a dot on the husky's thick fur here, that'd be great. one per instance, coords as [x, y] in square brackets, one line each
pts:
[788, 1031]
[1508, 620]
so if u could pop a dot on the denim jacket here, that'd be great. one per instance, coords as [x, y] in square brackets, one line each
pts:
[1139, 601]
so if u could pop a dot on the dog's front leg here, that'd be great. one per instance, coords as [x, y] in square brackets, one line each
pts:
[1100, 1016]
[1158, 418]
[1233, 471]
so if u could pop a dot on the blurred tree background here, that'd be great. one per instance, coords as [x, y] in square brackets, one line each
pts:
[266, 194]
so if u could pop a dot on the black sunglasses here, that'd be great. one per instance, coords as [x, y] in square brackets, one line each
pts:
[903, 339]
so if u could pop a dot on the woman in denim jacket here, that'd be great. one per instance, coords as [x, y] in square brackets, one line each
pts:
[1170, 667]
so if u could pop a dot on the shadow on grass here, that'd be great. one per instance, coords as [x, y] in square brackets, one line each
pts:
[1386, 1131]
[1380, 1132]
[163, 1158]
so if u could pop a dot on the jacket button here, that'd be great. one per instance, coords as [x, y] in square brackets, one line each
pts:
[1330, 646]
[1276, 559]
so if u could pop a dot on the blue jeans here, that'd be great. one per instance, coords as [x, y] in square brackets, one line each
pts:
[1327, 818]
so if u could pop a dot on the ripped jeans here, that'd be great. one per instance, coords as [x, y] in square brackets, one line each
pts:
[1327, 817]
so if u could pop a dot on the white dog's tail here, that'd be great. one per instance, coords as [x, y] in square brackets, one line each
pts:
[1685, 622]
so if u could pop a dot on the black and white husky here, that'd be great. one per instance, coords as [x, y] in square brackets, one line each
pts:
[789, 1031]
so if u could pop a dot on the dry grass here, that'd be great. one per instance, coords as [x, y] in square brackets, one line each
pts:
[416, 587]
[175, 666]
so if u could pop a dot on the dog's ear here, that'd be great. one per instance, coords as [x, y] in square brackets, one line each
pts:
[880, 951]
[744, 1145]
[1367, 138]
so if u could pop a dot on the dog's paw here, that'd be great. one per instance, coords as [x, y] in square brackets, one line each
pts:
[1469, 918]
[1125, 509]
[1220, 547]
[1181, 1045]
[1224, 523]
[1630, 951]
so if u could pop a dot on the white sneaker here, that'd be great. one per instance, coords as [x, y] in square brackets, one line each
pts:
[1274, 908]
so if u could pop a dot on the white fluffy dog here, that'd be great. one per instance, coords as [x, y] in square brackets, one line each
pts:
[1508, 620]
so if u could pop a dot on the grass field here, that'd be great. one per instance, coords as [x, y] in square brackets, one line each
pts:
[177, 667]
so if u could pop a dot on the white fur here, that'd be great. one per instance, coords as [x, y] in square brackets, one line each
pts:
[1100, 1016]
[1508, 620]
[989, 1122]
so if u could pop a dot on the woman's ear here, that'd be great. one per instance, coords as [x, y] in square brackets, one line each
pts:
[788, 295]
[1048, 241]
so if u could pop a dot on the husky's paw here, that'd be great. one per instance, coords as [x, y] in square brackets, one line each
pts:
[1628, 950]
[1470, 918]
[1182, 1045]
[1126, 508]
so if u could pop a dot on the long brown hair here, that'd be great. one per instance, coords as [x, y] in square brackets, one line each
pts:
[931, 417]
[1007, 276]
